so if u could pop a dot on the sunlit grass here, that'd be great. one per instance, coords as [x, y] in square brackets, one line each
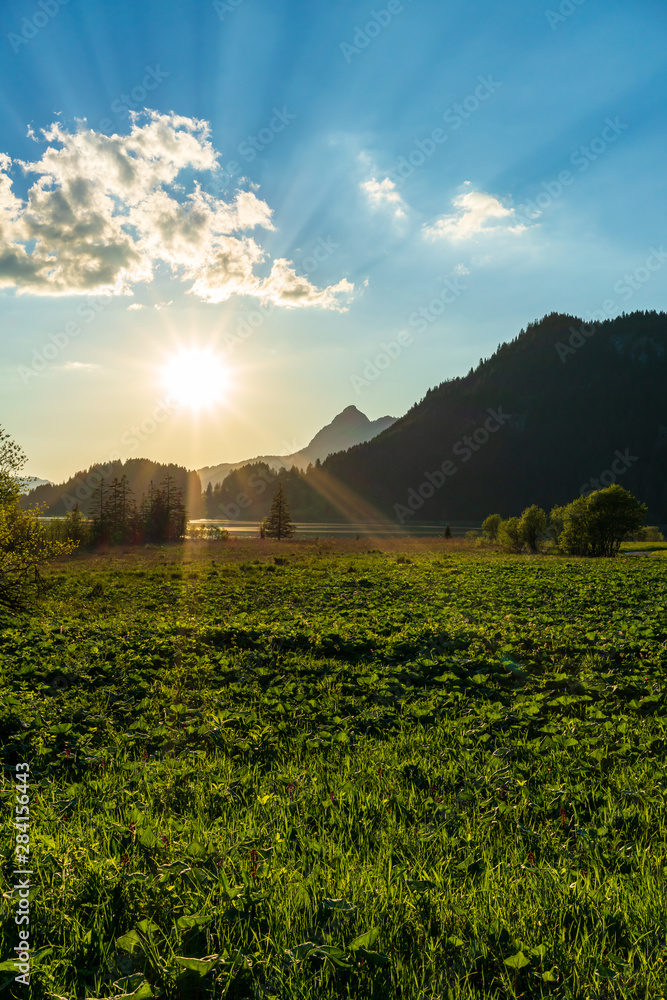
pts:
[291, 772]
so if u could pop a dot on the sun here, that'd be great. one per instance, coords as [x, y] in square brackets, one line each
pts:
[196, 379]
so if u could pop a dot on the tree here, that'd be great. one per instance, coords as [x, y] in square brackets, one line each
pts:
[532, 526]
[596, 525]
[615, 515]
[99, 502]
[556, 524]
[448, 531]
[122, 511]
[75, 526]
[490, 527]
[509, 535]
[162, 516]
[12, 461]
[571, 528]
[278, 524]
[24, 542]
[651, 533]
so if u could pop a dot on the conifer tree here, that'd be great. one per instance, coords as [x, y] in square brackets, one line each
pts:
[278, 524]
[163, 517]
[121, 511]
[99, 503]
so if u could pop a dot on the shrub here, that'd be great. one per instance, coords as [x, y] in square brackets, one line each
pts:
[509, 535]
[650, 533]
[24, 543]
[74, 527]
[532, 526]
[556, 524]
[596, 525]
[490, 527]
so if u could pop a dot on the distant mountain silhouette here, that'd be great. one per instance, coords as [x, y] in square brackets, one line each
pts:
[564, 408]
[32, 482]
[348, 428]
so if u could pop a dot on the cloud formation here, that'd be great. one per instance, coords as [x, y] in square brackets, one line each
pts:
[79, 366]
[103, 212]
[382, 193]
[478, 214]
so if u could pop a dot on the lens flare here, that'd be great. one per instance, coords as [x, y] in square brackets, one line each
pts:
[196, 379]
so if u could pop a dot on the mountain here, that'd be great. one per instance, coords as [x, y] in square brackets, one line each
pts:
[348, 428]
[58, 499]
[32, 482]
[563, 409]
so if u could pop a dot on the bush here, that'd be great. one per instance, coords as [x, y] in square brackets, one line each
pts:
[509, 535]
[207, 533]
[532, 526]
[650, 533]
[490, 527]
[24, 543]
[556, 524]
[596, 525]
[74, 527]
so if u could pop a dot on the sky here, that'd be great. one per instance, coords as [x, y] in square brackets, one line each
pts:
[223, 222]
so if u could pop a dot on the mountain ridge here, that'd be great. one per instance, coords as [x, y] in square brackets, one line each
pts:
[572, 394]
[349, 427]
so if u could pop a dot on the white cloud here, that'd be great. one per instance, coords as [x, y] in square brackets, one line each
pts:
[104, 211]
[286, 288]
[478, 213]
[79, 366]
[135, 306]
[164, 305]
[382, 193]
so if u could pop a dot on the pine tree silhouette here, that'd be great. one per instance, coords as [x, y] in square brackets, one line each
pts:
[278, 524]
[100, 506]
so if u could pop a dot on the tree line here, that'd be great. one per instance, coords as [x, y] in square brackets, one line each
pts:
[116, 518]
[594, 525]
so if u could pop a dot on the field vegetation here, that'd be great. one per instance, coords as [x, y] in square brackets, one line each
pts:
[385, 769]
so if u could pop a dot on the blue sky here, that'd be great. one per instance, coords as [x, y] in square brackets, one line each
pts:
[432, 176]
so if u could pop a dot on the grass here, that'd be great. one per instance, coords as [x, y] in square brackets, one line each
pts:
[643, 546]
[324, 770]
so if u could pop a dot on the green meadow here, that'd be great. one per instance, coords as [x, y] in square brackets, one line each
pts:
[340, 769]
